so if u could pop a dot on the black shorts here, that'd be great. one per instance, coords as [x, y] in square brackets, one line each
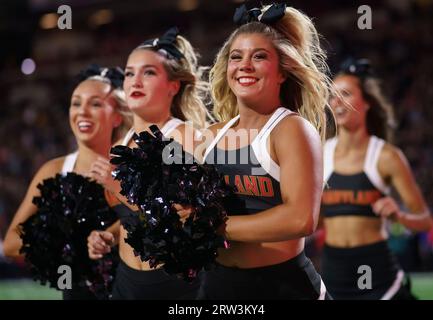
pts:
[295, 279]
[346, 273]
[132, 284]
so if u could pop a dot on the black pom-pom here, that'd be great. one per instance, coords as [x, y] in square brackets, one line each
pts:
[156, 175]
[69, 208]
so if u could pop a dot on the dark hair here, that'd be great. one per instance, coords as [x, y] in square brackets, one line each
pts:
[380, 115]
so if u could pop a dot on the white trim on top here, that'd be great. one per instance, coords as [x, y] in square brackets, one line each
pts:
[69, 163]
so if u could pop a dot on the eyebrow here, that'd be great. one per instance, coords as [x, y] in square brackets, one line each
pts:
[142, 67]
[344, 88]
[254, 50]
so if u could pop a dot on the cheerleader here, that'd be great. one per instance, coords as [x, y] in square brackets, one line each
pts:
[268, 81]
[361, 167]
[98, 116]
[163, 87]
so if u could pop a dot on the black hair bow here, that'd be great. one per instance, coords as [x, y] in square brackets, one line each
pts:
[114, 75]
[167, 43]
[250, 11]
[357, 67]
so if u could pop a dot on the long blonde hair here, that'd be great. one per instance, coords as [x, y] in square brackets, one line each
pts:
[124, 111]
[302, 61]
[189, 102]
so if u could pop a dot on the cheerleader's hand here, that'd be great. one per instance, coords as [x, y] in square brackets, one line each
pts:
[184, 211]
[387, 207]
[100, 171]
[99, 243]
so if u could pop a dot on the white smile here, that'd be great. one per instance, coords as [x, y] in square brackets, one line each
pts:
[82, 125]
[340, 111]
[247, 80]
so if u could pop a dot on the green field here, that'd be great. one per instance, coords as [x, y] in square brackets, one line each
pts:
[422, 287]
[27, 289]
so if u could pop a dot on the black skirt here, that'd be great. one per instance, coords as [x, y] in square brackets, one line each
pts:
[132, 284]
[367, 272]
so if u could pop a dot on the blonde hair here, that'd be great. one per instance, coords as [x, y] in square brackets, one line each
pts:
[189, 102]
[122, 108]
[302, 61]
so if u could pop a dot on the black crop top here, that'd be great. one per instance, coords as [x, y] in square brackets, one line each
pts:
[256, 189]
[351, 195]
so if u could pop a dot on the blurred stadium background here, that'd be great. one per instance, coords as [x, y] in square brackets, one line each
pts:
[38, 61]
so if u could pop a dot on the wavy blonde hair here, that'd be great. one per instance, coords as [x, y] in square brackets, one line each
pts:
[302, 62]
[189, 102]
[126, 114]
